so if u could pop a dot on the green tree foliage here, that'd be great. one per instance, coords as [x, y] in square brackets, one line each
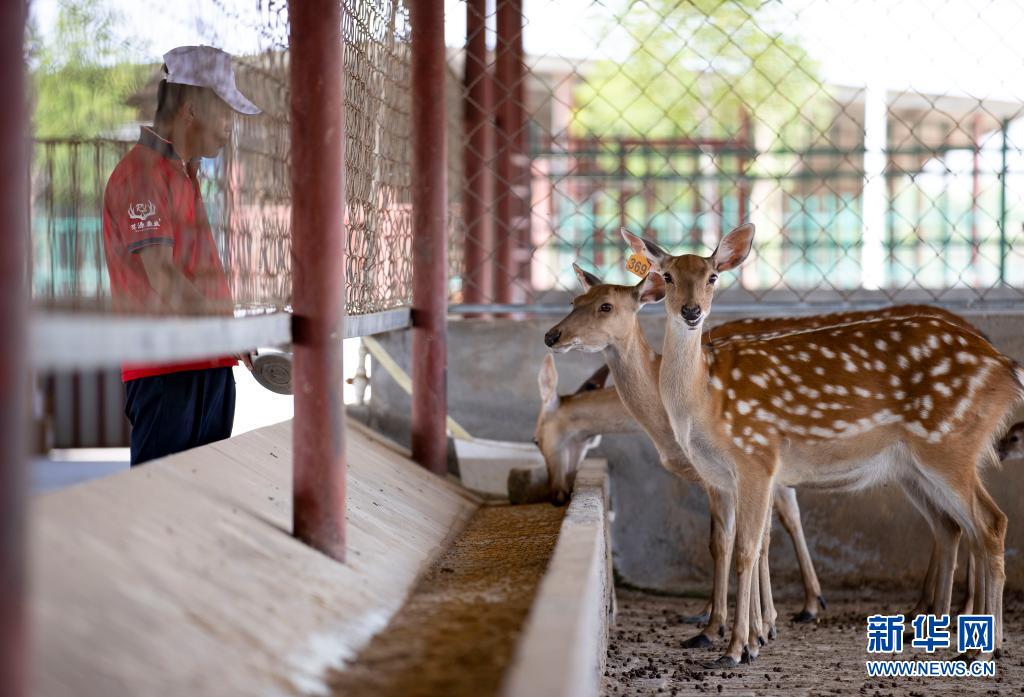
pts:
[81, 76]
[693, 66]
[81, 79]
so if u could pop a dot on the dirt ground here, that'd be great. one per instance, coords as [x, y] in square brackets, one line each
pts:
[826, 658]
[456, 633]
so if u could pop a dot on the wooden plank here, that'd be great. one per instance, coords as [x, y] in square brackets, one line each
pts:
[181, 577]
[67, 341]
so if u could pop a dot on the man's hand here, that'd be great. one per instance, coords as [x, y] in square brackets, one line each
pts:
[246, 358]
[177, 293]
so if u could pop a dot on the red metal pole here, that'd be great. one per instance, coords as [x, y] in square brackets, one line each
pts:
[477, 196]
[509, 18]
[430, 238]
[14, 637]
[318, 263]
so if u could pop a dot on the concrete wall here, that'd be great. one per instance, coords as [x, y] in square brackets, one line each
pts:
[660, 532]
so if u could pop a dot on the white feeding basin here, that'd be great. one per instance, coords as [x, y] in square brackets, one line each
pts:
[484, 464]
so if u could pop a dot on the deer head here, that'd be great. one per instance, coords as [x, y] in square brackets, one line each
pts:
[690, 279]
[604, 314]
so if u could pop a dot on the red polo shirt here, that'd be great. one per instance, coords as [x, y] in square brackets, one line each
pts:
[153, 198]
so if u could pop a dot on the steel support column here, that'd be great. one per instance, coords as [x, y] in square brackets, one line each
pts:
[477, 202]
[14, 634]
[506, 118]
[318, 258]
[430, 238]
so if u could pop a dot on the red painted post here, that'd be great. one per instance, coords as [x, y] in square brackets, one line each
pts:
[509, 19]
[477, 201]
[14, 634]
[430, 238]
[318, 263]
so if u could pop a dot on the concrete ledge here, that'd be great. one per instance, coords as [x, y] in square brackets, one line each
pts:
[182, 578]
[561, 651]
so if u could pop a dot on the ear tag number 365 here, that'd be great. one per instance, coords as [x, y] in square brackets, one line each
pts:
[638, 264]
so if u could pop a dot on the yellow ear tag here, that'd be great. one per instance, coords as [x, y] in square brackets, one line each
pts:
[638, 264]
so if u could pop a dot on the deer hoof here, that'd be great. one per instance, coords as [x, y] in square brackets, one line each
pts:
[804, 617]
[772, 632]
[964, 658]
[726, 661]
[701, 641]
[748, 656]
[822, 603]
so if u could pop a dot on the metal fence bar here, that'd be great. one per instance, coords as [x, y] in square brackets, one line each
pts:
[14, 659]
[318, 248]
[430, 238]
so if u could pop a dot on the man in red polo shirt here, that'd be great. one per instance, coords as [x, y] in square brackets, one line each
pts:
[161, 256]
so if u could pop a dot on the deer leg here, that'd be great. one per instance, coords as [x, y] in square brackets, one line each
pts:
[754, 487]
[755, 639]
[992, 527]
[967, 606]
[789, 515]
[947, 541]
[926, 600]
[768, 612]
[721, 505]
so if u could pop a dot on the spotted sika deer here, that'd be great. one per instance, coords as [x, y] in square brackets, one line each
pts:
[605, 319]
[568, 426]
[913, 400]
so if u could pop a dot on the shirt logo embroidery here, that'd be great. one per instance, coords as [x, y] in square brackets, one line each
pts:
[141, 211]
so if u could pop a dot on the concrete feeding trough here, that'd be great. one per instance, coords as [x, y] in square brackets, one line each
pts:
[488, 467]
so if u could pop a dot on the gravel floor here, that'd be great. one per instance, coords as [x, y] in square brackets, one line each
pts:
[826, 658]
[456, 633]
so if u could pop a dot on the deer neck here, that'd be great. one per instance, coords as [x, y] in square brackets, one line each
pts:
[635, 366]
[683, 380]
[597, 412]
[633, 363]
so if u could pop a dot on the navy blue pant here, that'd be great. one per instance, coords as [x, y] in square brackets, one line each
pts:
[177, 411]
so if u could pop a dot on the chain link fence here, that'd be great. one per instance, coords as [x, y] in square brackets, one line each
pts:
[875, 145]
[95, 69]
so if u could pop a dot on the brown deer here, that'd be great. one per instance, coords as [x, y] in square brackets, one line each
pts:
[568, 426]
[913, 400]
[612, 326]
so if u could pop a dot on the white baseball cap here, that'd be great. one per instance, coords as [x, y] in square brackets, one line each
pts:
[206, 66]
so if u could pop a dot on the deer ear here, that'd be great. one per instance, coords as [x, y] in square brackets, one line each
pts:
[645, 248]
[651, 289]
[734, 248]
[547, 380]
[596, 381]
[587, 279]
